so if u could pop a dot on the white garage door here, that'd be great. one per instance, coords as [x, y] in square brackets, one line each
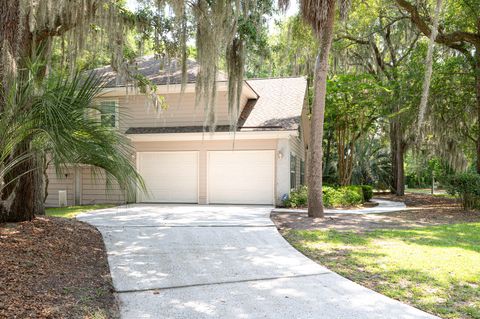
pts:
[170, 177]
[241, 177]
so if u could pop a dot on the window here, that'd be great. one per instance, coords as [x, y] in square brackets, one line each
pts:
[293, 171]
[109, 113]
[302, 172]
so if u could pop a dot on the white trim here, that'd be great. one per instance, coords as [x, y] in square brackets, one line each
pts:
[207, 182]
[244, 135]
[116, 111]
[137, 168]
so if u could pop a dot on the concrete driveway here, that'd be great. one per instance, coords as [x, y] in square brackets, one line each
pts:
[191, 261]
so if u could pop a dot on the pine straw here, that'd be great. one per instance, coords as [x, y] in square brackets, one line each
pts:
[54, 268]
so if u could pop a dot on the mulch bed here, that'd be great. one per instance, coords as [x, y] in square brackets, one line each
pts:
[423, 210]
[54, 268]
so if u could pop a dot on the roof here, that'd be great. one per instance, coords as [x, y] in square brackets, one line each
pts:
[280, 102]
[159, 71]
[278, 106]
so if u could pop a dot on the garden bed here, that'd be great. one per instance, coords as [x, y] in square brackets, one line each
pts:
[54, 268]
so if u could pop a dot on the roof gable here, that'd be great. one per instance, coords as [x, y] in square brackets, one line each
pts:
[280, 102]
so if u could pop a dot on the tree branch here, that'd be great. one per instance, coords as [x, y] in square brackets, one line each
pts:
[452, 39]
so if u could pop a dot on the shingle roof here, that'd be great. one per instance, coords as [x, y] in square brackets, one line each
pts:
[279, 107]
[280, 103]
[159, 71]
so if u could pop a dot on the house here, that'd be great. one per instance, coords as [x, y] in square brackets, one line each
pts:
[180, 163]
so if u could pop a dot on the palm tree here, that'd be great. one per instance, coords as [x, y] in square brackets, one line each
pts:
[51, 118]
[320, 14]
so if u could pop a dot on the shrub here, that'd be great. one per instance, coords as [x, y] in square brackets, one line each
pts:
[367, 192]
[298, 198]
[332, 196]
[345, 196]
[466, 186]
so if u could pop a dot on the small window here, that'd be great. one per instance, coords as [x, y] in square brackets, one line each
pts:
[293, 171]
[109, 113]
[302, 172]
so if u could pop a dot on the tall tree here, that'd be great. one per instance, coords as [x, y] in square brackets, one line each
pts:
[461, 32]
[320, 14]
[382, 44]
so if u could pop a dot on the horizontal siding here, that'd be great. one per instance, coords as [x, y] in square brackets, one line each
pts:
[64, 180]
[95, 191]
[138, 111]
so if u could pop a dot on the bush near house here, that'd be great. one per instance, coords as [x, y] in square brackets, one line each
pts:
[466, 186]
[332, 196]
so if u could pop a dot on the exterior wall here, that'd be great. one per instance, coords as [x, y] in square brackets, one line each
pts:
[137, 111]
[297, 148]
[94, 188]
[282, 182]
[84, 186]
[90, 187]
[65, 180]
[203, 146]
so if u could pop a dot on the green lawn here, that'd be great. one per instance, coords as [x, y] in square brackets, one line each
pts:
[72, 211]
[436, 269]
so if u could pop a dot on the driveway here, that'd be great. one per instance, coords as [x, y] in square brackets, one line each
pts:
[192, 261]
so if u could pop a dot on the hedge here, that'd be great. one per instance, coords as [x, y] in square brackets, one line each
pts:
[332, 196]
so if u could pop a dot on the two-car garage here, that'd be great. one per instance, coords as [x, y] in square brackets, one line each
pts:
[222, 176]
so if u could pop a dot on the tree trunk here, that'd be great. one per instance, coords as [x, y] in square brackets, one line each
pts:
[315, 200]
[397, 149]
[326, 165]
[477, 85]
[24, 198]
[428, 70]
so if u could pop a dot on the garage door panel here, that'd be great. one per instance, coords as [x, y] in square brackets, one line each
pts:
[169, 176]
[241, 177]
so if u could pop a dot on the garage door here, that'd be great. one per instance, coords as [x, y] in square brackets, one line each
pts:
[240, 177]
[170, 177]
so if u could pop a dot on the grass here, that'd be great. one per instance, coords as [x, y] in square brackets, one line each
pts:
[72, 211]
[436, 269]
